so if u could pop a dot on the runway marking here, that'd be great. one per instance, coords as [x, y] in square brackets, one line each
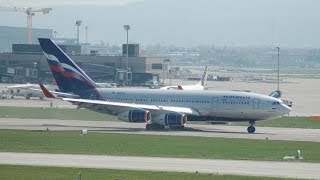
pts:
[237, 167]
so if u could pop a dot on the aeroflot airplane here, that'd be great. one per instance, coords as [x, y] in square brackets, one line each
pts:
[158, 108]
[201, 85]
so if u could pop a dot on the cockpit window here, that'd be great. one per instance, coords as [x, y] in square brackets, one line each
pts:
[275, 103]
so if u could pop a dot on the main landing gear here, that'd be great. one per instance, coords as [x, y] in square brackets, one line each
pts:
[154, 126]
[251, 128]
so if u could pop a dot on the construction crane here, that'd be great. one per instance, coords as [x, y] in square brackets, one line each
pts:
[30, 12]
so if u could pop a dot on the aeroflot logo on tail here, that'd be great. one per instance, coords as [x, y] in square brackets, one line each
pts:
[65, 69]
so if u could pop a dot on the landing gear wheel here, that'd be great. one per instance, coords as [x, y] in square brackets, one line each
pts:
[148, 127]
[158, 127]
[154, 126]
[177, 127]
[251, 129]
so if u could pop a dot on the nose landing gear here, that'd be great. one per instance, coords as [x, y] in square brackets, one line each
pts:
[251, 128]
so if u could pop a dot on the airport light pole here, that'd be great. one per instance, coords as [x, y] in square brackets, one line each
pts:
[278, 48]
[55, 34]
[127, 28]
[86, 28]
[78, 23]
[163, 71]
[86, 46]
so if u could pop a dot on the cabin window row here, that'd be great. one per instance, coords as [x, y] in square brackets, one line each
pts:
[118, 98]
[190, 101]
[237, 97]
[158, 100]
[231, 102]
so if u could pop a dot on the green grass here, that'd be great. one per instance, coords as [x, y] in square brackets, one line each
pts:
[38, 172]
[53, 113]
[151, 145]
[290, 122]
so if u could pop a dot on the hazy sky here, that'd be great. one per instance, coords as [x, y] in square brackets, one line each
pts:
[286, 23]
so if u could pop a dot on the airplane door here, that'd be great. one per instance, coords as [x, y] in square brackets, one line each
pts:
[214, 103]
[256, 103]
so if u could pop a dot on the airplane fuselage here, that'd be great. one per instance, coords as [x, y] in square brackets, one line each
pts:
[226, 105]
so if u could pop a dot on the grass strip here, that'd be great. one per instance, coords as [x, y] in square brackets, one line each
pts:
[154, 146]
[39, 172]
[53, 113]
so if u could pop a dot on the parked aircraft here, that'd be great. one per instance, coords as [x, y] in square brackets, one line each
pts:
[26, 90]
[158, 108]
[201, 85]
[29, 90]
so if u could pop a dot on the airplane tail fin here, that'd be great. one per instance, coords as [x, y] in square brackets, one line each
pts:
[204, 77]
[69, 77]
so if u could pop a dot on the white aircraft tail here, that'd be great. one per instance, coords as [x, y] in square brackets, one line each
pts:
[204, 77]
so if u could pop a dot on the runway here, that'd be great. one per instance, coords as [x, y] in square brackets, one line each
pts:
[225, 131]
[237, 167]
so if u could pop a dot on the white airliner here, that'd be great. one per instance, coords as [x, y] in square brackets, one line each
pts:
[29, 90]
[201, 85]
[26, 90]
[158, 108]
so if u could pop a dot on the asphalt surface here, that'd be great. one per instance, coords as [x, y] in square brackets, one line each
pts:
[239, 167]
[226, 131]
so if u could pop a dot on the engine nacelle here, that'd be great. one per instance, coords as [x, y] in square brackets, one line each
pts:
[135, 116]
[171, 119]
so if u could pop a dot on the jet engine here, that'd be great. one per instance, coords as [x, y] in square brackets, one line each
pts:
[135, 116]
[171, 119]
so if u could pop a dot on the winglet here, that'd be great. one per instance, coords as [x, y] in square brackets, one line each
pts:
[46, 92]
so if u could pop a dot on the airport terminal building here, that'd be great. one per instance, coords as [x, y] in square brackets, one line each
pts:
[21, 62]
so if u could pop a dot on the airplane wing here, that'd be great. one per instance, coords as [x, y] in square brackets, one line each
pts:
[21, 86]
[117, 107]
